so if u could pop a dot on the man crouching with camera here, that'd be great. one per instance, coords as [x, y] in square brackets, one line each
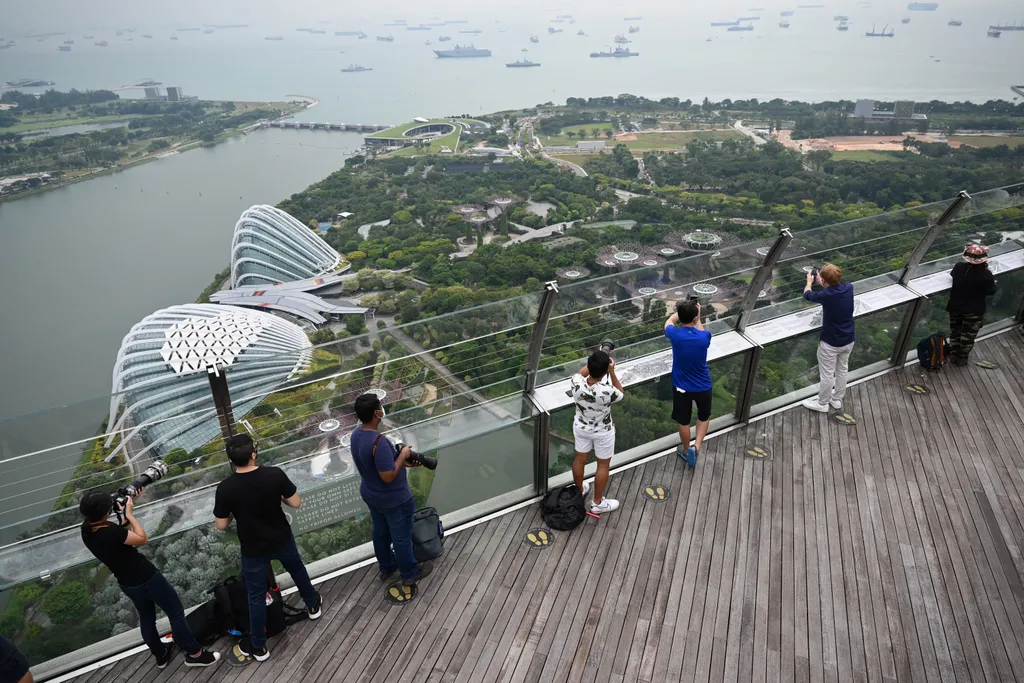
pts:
[116, 547]
[385, 490]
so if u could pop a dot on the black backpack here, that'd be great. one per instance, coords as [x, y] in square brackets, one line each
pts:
[563, 508]
[204, 622]
[231, 605]
[427, 534]
[933, 351]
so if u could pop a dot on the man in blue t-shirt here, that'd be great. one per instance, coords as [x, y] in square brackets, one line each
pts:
[691, 377]
[837, 336]
[385, 490]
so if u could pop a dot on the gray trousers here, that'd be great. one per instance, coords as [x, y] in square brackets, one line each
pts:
[833, 364]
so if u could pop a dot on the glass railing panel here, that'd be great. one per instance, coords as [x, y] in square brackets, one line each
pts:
[634, 308]
[645, 415]
[789, 368]
[1002, 307]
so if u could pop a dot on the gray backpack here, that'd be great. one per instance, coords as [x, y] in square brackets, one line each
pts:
[427, 534]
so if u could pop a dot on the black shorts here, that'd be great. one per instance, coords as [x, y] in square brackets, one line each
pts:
[682, 405]
[13, 665]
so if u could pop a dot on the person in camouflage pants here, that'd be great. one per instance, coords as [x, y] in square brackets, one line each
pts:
[973, 283]
[964, 330]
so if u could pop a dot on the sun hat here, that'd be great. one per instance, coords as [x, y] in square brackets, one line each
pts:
[976, 254]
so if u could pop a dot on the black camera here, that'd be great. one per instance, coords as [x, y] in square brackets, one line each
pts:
[418, 458]
[814, 271]
[119, 500]
[607, 345]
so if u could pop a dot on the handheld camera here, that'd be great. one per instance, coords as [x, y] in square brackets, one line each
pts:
[156, 470]
[415, 458]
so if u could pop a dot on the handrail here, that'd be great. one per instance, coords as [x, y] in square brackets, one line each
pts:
[540, 330]
[910, 269]
[761, 277]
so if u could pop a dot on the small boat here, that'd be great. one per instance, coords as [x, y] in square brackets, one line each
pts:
[386, 39]
[355, 68]
[841, 17]
[522, 63]
[993, 33]
[552, 30]
[524, 50]
[88, 37]
[955, 22]
[64, 48]
[622, 40]
[101, 43]
[783, 24]
[208, 31]
[266, 38]
[634, 29]
[905, 20]
[748, 27]
[278, 38]
[786, 13]
[474, 30]
[428, 43]
[579, 33]
[843, 27]
[707, 40]
[147, 35]
[443, 39]
[534, 39]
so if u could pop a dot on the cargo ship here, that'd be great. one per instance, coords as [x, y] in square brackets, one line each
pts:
[522, 64]
[749, 19]
[748, 27]
[617, 53]
[923, 6]
[29, 83]
[421, 27]
[841, 17]
[386, 39]
[147, 35]
[443, 39]
[725, 23]
[348, 33]
[472, 31]
[632, 18]
[64, 48]
[355, 68]
[101, 43]
[880, 34]
[1008, 27]
[460, 52]
[266, 38]
[786, 13]
[278, 38]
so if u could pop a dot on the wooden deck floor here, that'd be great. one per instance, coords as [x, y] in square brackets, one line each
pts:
[886, 551]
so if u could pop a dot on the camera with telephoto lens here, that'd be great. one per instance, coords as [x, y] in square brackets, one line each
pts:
[607, 346]
[418, 458]
[155, 471]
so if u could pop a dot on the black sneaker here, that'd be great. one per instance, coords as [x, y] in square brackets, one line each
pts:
[246, 648]
[384, 576]
[204, 658]
[316, 612]
[163, 661]
[424, 572]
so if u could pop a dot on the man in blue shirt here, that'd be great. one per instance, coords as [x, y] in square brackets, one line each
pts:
[691, 377]
[385, 490]
[837, 336]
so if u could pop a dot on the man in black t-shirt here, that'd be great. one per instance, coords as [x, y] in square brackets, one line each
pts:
[253, 496]
[115, 546]
[13, 664]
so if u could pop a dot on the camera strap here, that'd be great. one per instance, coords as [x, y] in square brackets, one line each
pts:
[376, 442]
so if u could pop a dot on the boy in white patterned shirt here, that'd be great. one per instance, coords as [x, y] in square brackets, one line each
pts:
[594, 389]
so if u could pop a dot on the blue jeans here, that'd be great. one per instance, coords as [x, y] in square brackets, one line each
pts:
[393, 526]
[147, 596]
[254, 569]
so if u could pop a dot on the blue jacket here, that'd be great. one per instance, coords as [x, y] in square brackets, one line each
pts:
[836, 313]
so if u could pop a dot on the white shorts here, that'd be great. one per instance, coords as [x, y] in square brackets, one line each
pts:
[602, 443]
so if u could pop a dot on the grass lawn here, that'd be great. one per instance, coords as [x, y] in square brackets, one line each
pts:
[563, 139]
[988, 140]
[865, 155]
[41, 121]
[662, 140]
[577, 159]
[451, 141]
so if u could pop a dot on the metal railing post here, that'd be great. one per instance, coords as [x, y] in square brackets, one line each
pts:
[540, 329]
[748, 380]
[916, 256]
[221, 400]
[761, 277]
[541, 452]
[906, 334]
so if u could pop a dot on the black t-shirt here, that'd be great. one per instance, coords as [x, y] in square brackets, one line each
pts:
[254, 499]
[106, 541]
[971, 284]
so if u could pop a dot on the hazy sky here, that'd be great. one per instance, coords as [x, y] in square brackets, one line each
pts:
[19, 16]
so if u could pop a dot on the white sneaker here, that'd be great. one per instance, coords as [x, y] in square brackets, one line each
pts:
[586, 488]
[606, 505]
[836, 404]
[813, 404]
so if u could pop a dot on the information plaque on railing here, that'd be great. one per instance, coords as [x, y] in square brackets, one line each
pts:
[328, 504]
